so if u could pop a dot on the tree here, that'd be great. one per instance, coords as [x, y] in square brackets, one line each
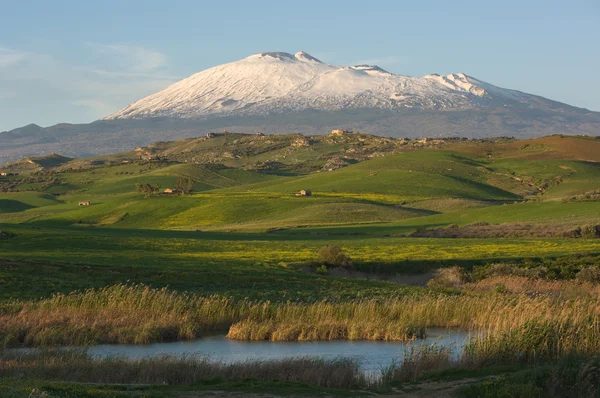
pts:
[184, 184]
[147, 189]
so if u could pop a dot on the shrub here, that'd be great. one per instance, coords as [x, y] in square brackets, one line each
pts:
[447, 278]
[333, 256]
[589, 274]
[322, 270]
[502, 269]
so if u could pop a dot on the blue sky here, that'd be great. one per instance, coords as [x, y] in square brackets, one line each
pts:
[77, 61]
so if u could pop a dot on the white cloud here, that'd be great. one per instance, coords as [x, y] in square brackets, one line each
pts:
[140, 59]
[10, 57]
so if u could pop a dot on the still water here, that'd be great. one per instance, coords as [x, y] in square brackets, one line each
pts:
[373, 355]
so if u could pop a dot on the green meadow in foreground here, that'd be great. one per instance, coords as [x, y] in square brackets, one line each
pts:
[235, 251]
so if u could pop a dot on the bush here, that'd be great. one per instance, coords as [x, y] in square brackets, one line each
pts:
[589, 274]
[447, 278]
[322, 270]
[502, 269]
[5, 235]
[333, 256]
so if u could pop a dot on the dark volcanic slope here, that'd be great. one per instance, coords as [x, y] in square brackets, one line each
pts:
[110, 136]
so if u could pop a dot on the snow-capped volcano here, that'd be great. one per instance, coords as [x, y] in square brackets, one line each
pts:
[277, 82]
[278, 92]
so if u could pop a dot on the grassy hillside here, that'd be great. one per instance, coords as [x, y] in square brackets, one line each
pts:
[412, 175]
[249, 182]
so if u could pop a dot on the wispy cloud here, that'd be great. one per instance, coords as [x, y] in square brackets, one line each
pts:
[9, 57]
[118, 75]
[140, 59]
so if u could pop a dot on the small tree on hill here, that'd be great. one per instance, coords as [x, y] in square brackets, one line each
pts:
[184, 184]
[333, 256]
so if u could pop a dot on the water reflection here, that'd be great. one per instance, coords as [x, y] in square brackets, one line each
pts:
[372, 354]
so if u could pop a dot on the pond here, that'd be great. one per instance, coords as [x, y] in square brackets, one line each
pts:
[373, 355]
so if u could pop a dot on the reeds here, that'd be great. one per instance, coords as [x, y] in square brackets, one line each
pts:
[76, 366]
[512, 324]
[116, 314]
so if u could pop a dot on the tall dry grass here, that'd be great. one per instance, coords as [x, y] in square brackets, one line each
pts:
[566, 289]
[116, 314]
[178, 370]
[514, 324]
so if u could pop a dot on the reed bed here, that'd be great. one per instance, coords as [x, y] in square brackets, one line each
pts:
[116, 314]
[76, 366]
[512, 324]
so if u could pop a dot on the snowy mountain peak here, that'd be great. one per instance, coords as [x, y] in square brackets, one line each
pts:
[279, 82]
[273, 56]
[372, 68]
[284, 57]
[303, 56]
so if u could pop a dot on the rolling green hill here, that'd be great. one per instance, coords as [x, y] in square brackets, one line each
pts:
[248, 182]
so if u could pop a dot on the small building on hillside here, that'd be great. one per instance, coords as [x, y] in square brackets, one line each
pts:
[7, 173]
[304, 192]
[85, 203]
[172, 191]
[169, 191]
